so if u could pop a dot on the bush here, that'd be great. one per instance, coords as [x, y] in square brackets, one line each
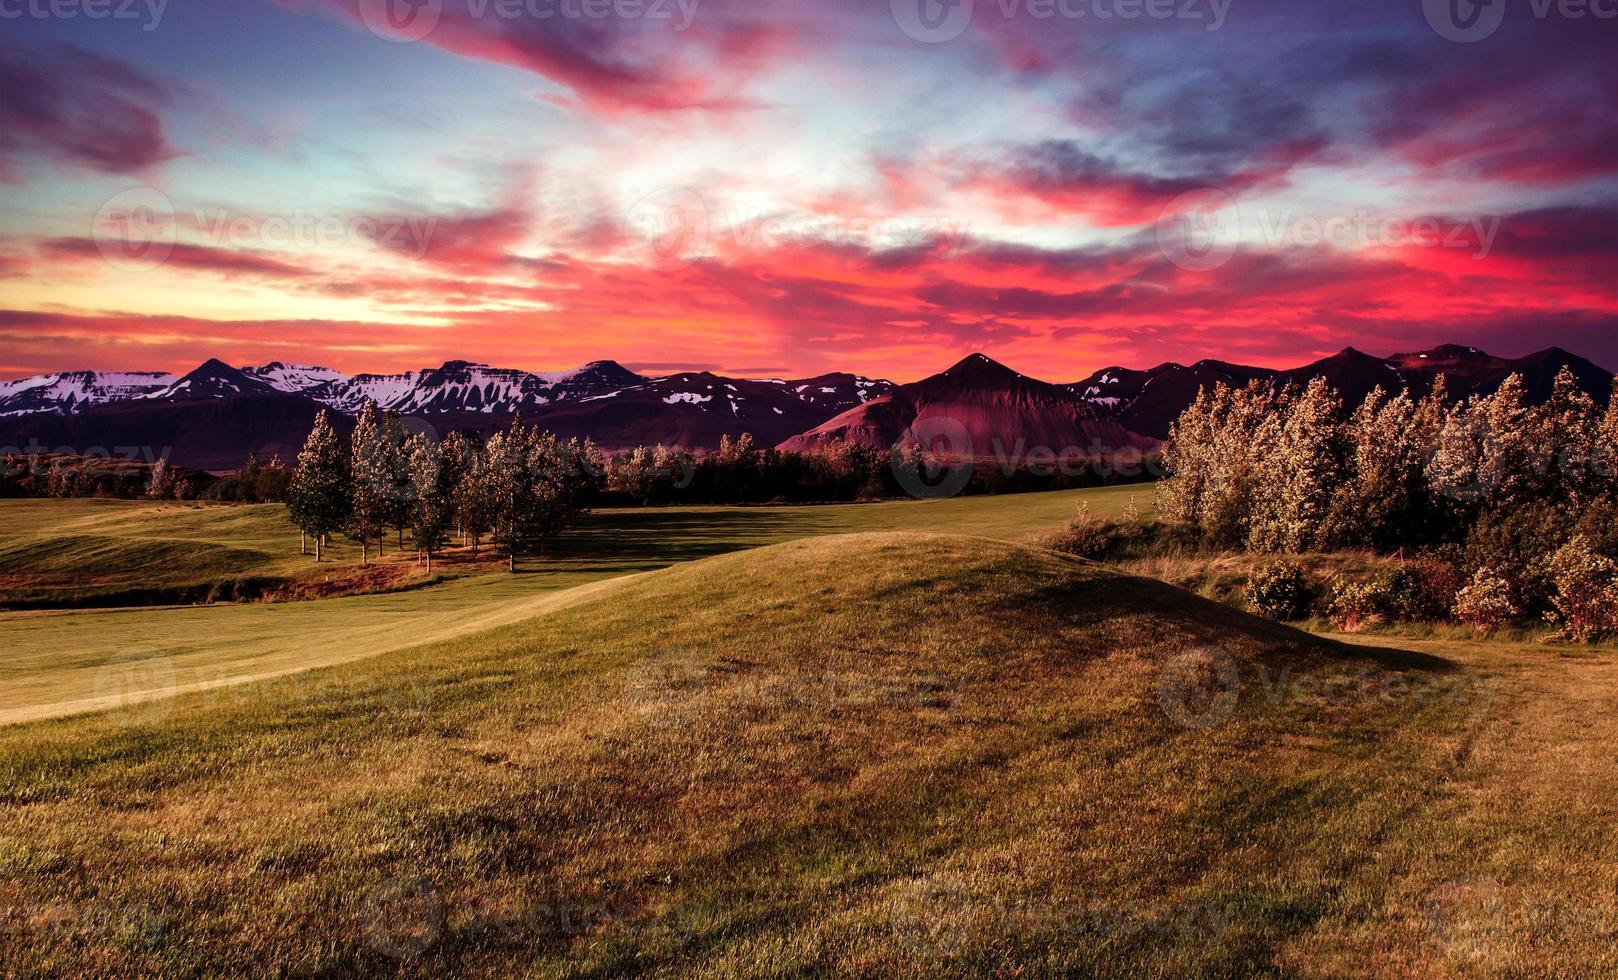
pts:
[1356, 605]
[1088, 536]
[1421, 591]
[1585, 606]
[1517, 543]
[1280, 592]
[1485, 603]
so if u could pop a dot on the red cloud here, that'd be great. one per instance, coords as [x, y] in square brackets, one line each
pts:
[68, 105]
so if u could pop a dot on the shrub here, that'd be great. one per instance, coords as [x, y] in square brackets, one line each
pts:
[1355, 605]
[1421, 591]
[1517, 543]
[1086, 536]
[1280, 592]
[1586, 602]
[1485, 603]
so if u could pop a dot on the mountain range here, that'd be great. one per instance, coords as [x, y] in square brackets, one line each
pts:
[212, 416]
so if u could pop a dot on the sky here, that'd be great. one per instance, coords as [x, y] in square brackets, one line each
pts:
[771, 189]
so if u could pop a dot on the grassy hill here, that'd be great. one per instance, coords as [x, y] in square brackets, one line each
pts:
[87, 659]
[88, 553]
[873, 754]
[107, 553]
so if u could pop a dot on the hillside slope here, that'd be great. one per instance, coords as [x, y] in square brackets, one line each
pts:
[981, 408]
[869, 754]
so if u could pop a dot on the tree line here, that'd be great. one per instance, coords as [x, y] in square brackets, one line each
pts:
[1523, 498]
[519, 488]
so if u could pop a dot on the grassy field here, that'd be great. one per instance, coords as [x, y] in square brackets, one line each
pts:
[881, 754]
[63, 661]
[878, 754]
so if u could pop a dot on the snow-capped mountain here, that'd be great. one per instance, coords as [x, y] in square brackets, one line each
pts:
[213, 379]
[213, 415]
[456, 387]
[75, 391]
[696, 409]
[294, 379]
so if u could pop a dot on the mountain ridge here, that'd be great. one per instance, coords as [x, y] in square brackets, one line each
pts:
[213, 415]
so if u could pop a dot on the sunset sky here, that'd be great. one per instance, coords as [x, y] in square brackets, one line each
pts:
[778, 189]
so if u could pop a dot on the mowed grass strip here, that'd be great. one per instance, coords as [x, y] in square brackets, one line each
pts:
[874, 755]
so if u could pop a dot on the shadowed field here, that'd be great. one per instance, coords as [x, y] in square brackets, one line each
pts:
[880, 754]
[63, 661]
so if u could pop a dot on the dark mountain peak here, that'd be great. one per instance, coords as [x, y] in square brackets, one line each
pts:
[608, 368]
[214, 367]
[980, 369]
[1351, 355]
[214, 378]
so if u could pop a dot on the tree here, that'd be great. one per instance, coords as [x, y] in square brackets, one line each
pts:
[456, 452]
[474, 497]
[1585, 605]
[273, 481]
[514, 502]
[162, 483]
[1606, 448]
[564, 475]
[635, 475]
[433, 482]
[247, 480]
[373, 481]
[1383, 498]
[1302, 468]
[1563, 434]
[399, 498]
[1217, 452]
[318, 498]
[536, 485]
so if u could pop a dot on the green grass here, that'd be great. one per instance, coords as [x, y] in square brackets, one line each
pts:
[63, 662]
[870, 755]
